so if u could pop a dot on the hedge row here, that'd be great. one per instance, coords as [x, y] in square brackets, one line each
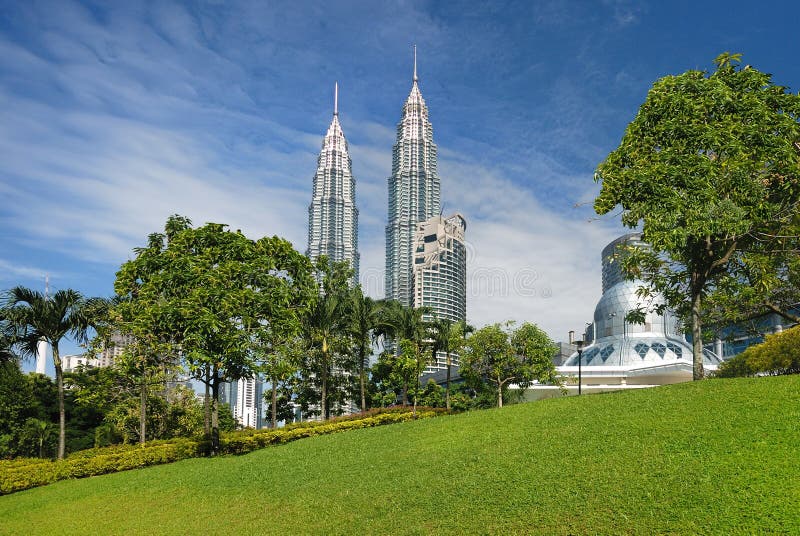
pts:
[25, 473]
[241, 444]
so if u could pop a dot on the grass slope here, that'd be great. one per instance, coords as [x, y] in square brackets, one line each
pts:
[708, 457]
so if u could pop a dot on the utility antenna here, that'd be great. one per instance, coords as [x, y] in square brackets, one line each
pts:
[46, 286]
[415, 63]
[336, 98]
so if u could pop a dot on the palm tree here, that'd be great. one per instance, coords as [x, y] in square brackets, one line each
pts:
[363, 324]
[446, 336]
[407, 323]
[37, 317]
[7, 354]
[323, 324]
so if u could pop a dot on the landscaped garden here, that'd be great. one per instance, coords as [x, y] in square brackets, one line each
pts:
[717, 456]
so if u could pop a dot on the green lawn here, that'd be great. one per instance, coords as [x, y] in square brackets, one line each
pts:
[717, 456]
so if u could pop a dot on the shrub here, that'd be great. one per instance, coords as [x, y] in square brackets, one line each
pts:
[779, 354]
[24, 473]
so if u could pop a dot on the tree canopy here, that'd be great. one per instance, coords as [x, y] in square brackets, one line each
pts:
[208, 291]
[709, 169]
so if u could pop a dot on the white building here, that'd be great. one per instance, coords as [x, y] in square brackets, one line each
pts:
[332, 214]
[440, 274]
[414, 191]
[624, 355]
[71, 362]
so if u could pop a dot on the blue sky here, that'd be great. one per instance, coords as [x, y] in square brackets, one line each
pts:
[117, 114]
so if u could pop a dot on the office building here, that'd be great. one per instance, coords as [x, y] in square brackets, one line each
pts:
[332, 214]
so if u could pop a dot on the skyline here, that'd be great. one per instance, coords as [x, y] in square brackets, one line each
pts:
[116, 117]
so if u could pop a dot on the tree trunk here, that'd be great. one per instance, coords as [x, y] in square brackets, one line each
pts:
[447, 385]
[363, 385]
[143, 406]
[62, 430]
[697, 335]
[207, 405]
[324, 394]
[274, 417]
[416, 395]
[405, 393]
[499, 394]
[215, 414]
[143, 410]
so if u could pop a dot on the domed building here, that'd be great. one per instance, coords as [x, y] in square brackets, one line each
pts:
[620, 354]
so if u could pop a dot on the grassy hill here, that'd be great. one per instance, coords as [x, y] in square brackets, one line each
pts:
[718, 456]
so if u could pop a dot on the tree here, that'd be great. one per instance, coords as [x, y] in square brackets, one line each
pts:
[7, 340]
[280, 363]
[763, 280]
[363, 323]
[407, 326]
[207, 290]
[37, 317]
[448, 337]
[709, 167]
[499, 357]
[326, 328]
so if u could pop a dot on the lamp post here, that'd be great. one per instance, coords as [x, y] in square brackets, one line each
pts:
[579, 347]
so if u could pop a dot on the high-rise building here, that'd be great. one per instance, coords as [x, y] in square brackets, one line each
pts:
[113, 349]
[440, 273]
[414, 190]
[245, 396]
[332, 214]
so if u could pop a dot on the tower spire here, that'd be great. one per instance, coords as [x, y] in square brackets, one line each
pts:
[415, 63]
[336, 98]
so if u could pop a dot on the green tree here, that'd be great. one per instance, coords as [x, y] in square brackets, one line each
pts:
[407, 326]
[765, 279]
[499, 356]
[7, 340]
[52, 318]
[448, 337]
[709, 167]
[327, 331]
[207, 290]
[364, 319]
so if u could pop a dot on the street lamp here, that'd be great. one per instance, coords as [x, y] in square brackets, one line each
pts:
[579, 346]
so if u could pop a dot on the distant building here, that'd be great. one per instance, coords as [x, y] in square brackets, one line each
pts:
[414, 190]
[246, 398]
[71, 362]
[113, 349]
[624, 355]
[332, 214]
[440, 274]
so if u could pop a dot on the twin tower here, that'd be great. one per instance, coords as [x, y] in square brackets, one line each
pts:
[425, 252]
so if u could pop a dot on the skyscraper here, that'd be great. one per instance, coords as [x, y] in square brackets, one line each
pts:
[440, 273]
[332, 214]
[413, 192]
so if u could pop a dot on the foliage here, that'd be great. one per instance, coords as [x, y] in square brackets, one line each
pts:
[496, 356]
[619, 463]
[779, 354]
[24, 473]
[326, 330]
[709, 167]
[364, 329]
[37, 317]
[207, 291]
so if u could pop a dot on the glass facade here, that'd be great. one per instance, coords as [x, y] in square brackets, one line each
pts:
[440, 273]
[617, 342]
[332, 214]
[414, 190]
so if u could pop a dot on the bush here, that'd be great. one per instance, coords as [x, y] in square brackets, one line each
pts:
[20, 474]
[779, 354]
[25, 473]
